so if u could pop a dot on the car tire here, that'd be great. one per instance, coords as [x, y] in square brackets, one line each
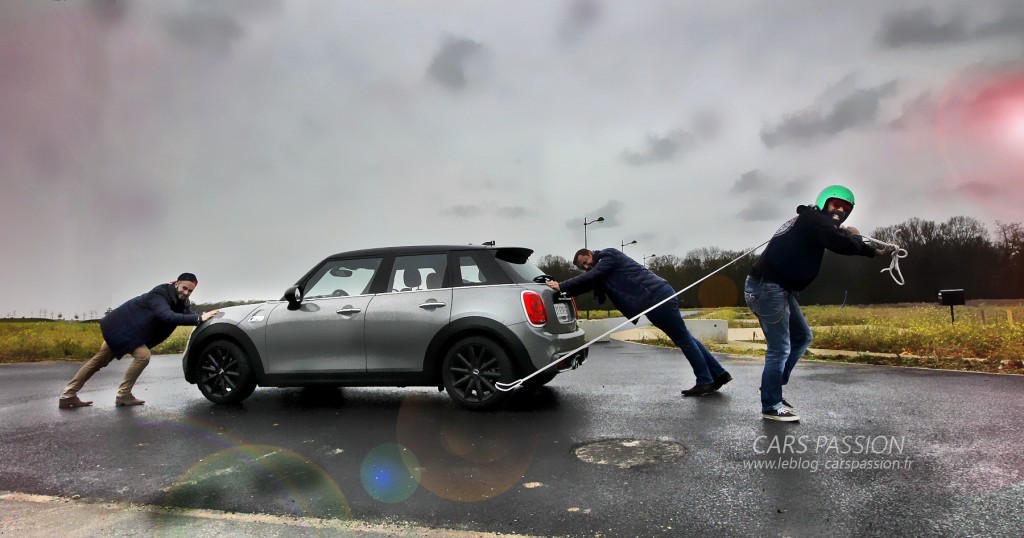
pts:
[224, 373]
[471, 368]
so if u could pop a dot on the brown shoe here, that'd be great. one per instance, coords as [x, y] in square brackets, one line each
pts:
[127, 401]
[71, 403]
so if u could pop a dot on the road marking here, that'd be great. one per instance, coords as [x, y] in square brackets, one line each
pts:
[396, 528]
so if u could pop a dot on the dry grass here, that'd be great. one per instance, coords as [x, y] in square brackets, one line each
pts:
[61, 340]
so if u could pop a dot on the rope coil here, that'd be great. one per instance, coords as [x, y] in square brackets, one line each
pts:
[894, 263]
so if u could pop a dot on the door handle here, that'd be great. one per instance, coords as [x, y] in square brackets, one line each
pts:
[350, 311]
[432, 305]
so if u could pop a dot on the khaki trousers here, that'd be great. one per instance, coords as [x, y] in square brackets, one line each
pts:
[103, 358]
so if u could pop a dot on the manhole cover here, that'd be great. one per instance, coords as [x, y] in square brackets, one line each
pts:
[625, 453]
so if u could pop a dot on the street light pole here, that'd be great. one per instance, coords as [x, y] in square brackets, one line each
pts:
[622, 245]
[585, 224]
[645, 258]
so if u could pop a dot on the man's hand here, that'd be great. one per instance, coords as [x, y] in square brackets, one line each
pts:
[850, 229]
[889, 249]
[207, 315]
[553, 284]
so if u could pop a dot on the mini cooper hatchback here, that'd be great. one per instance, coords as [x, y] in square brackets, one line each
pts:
[461, 318]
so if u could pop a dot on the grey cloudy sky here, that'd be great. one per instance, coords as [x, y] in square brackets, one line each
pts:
[244, 140]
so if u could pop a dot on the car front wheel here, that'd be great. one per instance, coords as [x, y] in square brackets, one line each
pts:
[471, 369]
[224, 374]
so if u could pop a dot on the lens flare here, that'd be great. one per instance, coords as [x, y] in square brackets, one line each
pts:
[390, 473]
[464, 456]
[227, 479]
[979, 133]
[717, 291]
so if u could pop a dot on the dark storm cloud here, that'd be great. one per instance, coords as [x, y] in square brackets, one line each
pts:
[757, 182]
[206, 30]
[463, 211]
[609, 211]
[979, 189]
[512, 212]
[448, 66]
[759, 211]
[661, 149]
[921, 26]
[921, 108]
[753, 180]
[925, 27]
[112, 11]
[794, 187]
[707, 124]
[857, 109]
[581, 17]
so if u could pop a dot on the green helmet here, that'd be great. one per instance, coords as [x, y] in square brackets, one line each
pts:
[834, 191]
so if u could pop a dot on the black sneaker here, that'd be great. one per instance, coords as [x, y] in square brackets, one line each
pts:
[784, 402]
[782, 415]
[700, 390]
[722, 380]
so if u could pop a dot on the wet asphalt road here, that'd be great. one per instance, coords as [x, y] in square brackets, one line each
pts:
[336, 453]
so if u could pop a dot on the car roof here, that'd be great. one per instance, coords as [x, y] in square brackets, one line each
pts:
[424, 249]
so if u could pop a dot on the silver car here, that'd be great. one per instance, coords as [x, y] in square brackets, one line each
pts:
[461, 318]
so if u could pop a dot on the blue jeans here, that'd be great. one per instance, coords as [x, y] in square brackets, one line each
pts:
[786, 332]
[667, 318]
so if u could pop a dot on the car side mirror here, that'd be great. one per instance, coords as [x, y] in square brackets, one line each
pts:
[294, 297]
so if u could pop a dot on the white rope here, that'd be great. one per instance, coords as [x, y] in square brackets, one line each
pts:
[505, 387]
[894, 264]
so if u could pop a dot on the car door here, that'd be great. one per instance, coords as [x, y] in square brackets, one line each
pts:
[326, 333]
[401, 322]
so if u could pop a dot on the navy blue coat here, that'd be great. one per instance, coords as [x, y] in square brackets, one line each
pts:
[631, 287]
[146, 320]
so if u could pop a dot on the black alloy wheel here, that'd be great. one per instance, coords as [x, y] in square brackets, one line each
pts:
[472, 368]
[224, 373]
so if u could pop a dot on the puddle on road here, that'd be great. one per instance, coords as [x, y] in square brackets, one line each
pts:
[626, 453]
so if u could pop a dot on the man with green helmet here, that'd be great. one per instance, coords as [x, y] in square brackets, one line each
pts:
[789, 263]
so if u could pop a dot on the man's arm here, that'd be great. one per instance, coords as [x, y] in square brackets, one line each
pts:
[587, 281]
[843, 241]
[162, 310]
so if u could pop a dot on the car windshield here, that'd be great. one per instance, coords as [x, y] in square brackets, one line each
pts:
[515, 262]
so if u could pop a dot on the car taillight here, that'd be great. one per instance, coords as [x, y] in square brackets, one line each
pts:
[533, 304]
[575, 311]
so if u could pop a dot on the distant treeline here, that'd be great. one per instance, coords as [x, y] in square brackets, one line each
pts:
[958, 253]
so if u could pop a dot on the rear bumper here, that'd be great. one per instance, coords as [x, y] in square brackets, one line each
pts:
[544, 347]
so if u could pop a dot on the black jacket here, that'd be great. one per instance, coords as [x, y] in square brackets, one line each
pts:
[146, 320]
[630, 286]
[793, 257]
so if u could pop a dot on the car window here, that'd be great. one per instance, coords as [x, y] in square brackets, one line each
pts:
[340, 278]
[519, 268]
[469, 271]
[415, 273]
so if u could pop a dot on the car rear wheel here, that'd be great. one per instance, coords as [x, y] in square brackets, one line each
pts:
[471, 369]
[224, 374]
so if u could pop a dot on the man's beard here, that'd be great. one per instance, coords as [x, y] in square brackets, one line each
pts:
[840, 214]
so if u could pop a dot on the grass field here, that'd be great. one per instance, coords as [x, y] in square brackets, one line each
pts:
[61, 340]
[986, 336]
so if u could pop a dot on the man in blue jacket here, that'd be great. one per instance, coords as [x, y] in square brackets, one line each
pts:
[632, 288]
[136, 327]
[789, 263]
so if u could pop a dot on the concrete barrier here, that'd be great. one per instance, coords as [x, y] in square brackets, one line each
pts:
[707, 330]
[596, 327]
